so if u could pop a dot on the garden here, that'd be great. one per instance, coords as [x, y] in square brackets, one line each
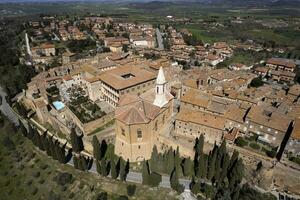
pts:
[253, 144]
[85, 110]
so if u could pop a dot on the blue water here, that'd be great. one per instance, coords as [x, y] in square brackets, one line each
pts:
[58, 105]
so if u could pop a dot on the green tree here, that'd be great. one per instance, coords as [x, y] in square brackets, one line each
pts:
[170, 161]
[96, 148]
[174, 182]
[145, 173]
[212, 165]
[154, 159]
[76, 141]
[256, 82]
[188, 167]
[104, 167]
[113, 172]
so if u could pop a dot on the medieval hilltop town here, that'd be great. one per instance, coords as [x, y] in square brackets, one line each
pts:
[144, 87]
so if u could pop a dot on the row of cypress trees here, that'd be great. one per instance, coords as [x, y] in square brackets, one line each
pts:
[109, 164]
[45, 143]
[217, 167]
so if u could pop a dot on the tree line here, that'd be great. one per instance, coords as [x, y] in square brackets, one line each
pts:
[108, 163]
[214, 174]
[48, 144]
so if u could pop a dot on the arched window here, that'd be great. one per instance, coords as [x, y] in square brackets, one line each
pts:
[157, 89]
[139, 134]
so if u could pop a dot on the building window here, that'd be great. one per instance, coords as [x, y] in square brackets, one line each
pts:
[155, 126]
[163, 119]
[139, 146]
[123, 131]
[157, 89]
[139, 134]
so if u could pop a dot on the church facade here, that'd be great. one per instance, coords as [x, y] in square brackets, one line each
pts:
[140, 119]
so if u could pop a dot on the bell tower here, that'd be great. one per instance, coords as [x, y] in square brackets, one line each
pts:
[160, 90]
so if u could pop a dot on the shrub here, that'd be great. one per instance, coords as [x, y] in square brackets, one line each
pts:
[34, 191]
[42, 181]
[63, 188]
[131, 190]
[154, 179]
[63, 178]
[295, 160]
[102, 196]
[239, 141]
[254, 146]
[29, 182]
[208, 190]
[44, 166]
[271, 153]
[256, 82]
[122, 197]
[36, 174]
[71, 195]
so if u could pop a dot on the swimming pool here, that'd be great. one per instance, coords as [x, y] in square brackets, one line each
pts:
[58, 105]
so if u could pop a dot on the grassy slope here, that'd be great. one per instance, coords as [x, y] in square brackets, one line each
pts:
[18, 178]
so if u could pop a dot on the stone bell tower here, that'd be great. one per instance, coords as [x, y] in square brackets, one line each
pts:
[161, 86]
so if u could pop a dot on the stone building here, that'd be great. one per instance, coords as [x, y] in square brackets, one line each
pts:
[123, 80]
[140, 119]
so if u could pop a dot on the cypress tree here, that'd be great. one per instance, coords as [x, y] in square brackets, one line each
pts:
[170, 164]
[126, 169]
[113, 172]
[233, 159]
[76, 141]
[104, 167]
[75, 162]
[174, 182]
[202, 167]
[217, 171]
[212, 165]
[154, 159]
[200, 144]
[222, 149]
[177, 161]
[145, 173]
[235, 193]
[225, 165]
[122, 170]
[73, 137]
[98, 167]
[96, 148]
[103, 149]
[188, 167]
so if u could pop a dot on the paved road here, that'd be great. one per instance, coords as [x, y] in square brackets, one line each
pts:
[136, 177]
[159, 40]
[7, 110]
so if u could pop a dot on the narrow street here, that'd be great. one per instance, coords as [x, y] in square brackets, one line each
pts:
[159, 40]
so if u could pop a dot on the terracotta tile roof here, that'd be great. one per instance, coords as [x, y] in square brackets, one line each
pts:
[195, 97]
[93, 79]
[192, 83]
[137, 76]
[231, 135]
[235, 113]
[272, 119]
[205, 119]
[261, 69]
[282, 62]
[134, 110]
[294, 90]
